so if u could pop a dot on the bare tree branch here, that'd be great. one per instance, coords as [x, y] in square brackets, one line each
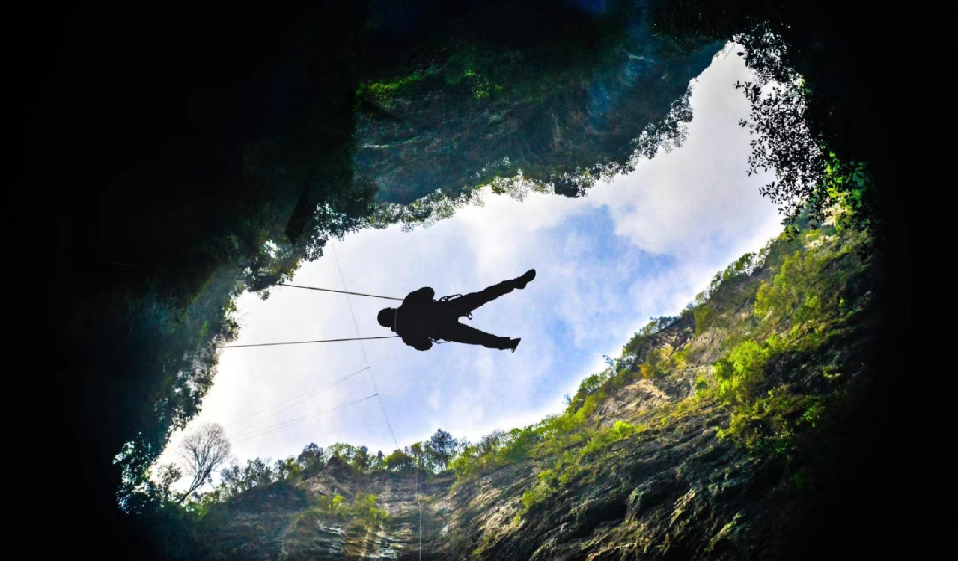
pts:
[203, 451]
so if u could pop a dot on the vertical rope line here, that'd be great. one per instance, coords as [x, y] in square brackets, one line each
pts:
[366, 359]
[386, 417]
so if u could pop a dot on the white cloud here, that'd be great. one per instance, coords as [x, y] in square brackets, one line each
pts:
[679, 202]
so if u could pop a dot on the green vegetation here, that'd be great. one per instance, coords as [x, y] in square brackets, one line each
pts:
[382, 92]
[430, 456]
[794, 311]
[575, 462]
[810, 177]
[363, 510]
[802, 294]
[740, 371]
[812, 120]
[797, 311]
[704, 306]
[803, 290]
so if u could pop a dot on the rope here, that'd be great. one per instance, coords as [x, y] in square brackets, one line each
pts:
[335, 291]
[386, 417]
[264, 431]
[363, 348]
[251, 432]
[310, 341]
[296, 401]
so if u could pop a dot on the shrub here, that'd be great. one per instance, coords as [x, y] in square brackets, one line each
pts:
[363, 509]
[739, 371]
[770, 425]
[800, 292]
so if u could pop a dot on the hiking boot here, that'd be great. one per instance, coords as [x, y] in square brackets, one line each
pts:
[525, 278]
[512, 344]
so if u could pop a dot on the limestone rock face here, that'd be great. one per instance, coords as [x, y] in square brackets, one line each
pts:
[467, 116]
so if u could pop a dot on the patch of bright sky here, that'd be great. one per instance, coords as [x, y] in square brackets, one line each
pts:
[640, 246]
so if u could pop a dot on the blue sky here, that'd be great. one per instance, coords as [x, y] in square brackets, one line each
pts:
[642, 245]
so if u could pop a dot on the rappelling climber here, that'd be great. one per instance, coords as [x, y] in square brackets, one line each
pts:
[421, 320]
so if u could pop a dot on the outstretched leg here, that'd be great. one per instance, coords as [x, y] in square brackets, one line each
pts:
[464, 305]
[462, 333]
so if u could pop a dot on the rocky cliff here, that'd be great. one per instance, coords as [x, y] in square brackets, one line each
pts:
[484, 104]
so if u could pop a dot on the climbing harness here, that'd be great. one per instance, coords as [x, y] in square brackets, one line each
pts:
[451, 297]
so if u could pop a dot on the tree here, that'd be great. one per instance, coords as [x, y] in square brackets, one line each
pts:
[489, 443]
[287, 469]
[440, 449]
[231, 480]
[417, 453]
[344, 451]
[312, 458]
[235, 480]
[203, 451]
[789, 119]
[257, 473]
[361, 459]
[398, 460]
[167, 475]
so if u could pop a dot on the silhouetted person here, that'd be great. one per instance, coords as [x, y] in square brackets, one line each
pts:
[420, 320]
